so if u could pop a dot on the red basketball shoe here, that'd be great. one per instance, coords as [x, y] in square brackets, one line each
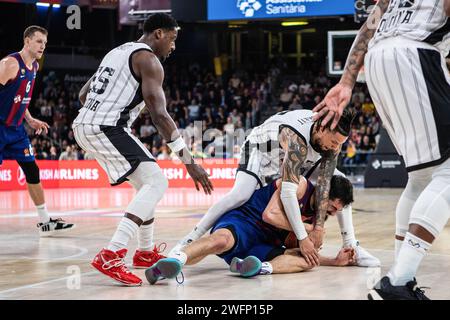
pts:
[145, 259]
[113, 265]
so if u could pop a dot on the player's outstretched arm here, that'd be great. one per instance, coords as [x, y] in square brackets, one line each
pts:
[447, 7]
[147, 66]
[8, 69]
[295, 155]
[345, 257]
[332, 106]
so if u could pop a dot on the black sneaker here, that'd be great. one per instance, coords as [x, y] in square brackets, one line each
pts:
[54, 226]
[384, 290]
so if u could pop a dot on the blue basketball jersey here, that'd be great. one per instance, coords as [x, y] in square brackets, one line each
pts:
[15, 95]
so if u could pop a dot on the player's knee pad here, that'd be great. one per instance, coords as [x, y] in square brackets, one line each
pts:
[432, 208]
[149, 173]
[417, 181]
[152, 184]
[31, 171]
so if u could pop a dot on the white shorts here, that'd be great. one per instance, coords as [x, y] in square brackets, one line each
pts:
[410, 87]
[117, 151]
[261, 161]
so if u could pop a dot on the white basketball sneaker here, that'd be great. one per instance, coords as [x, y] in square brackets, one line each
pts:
[53, 227]
[364, 258]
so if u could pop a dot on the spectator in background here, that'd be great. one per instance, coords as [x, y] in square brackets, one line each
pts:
[68, 154]
[286, 98]
[349, 158]
[53, 155]
[164, 155]
[235, 117]
[363, 149]
[194, 111]
[295, 105]
[147, 129]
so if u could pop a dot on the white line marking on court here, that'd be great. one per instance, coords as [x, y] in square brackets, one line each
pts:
[42, 283]
[82, 252]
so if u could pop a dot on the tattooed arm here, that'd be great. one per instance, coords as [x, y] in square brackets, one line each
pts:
[338, 97]
[321, 195]
[355, 59]
[322, 190]
[295, 155]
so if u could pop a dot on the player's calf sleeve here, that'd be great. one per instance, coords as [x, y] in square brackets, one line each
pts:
[154, 184]
[432, 208]
[31, 171]
[417, 181]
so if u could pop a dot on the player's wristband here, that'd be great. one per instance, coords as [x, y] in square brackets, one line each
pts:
[177, 145]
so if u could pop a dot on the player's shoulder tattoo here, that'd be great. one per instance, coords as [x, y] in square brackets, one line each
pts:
[296, 152]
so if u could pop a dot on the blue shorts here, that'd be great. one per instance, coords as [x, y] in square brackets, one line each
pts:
[252, 237]
[14, 144]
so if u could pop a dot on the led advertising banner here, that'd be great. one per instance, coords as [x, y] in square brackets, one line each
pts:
[273, 9]
[44, 2]
[89, 174]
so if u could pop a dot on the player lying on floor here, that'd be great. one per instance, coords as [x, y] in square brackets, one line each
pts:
[258, 230]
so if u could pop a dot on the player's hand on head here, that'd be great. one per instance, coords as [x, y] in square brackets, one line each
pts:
[309, 252]
[332, 106]
[200, 177]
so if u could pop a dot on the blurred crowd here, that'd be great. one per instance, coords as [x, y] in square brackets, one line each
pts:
[213, 113]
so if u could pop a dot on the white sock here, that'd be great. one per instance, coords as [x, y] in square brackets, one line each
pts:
[145, 237]
[398, 245]
[195, 234]
[43, 213]
[125, 231]
[410, 255]
[266, 268]
[179, 255]
[345, 220]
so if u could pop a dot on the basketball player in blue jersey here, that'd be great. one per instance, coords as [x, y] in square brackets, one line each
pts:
[402, 47]
[17, 77]
[260, 231]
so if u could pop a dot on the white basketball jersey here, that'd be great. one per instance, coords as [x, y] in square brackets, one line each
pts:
[300, 121]
[421, 20]
[115, 95]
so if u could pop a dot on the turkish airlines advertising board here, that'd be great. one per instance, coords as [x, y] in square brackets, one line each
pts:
[89, 174]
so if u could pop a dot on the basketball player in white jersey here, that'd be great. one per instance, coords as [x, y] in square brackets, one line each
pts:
[129, 78]
[307, 151]
[403, 46]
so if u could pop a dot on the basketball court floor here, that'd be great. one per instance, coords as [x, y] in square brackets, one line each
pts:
[59, 267]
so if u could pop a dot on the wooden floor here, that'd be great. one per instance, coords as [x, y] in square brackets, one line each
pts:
[58, 268]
